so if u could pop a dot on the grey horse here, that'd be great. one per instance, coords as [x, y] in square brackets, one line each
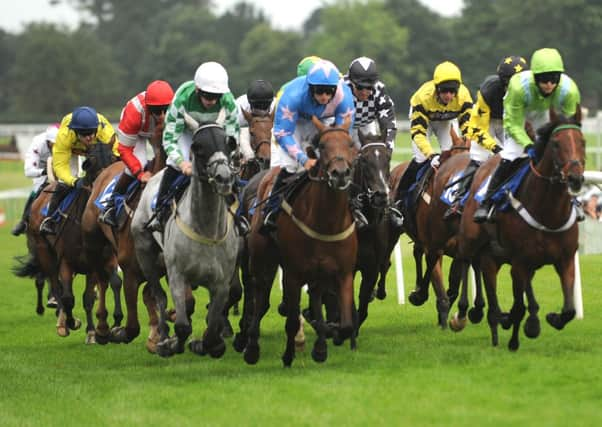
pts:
[199, 244]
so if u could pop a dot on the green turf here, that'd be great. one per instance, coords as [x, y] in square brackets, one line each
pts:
[405, 372]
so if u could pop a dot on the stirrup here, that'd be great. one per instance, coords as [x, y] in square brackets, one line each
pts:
[396, 217]
[48, 226]
[269, 224]
[108, 216]
[242, 225]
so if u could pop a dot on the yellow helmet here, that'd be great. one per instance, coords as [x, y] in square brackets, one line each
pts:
[447, 72]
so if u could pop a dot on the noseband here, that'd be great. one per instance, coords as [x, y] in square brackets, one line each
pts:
[367, 194]
[328, 178]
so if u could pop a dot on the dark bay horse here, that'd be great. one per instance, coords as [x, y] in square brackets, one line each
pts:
[260, 134]
[315, 242]
[60, 257]
[540, 228]
[103, 241]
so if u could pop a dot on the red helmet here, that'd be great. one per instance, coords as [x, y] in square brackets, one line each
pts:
[158, 92]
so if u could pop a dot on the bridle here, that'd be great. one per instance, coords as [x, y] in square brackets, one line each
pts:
[327, 175]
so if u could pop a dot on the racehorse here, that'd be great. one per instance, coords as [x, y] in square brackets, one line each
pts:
[315, 243]
[260, 133]
[539, 229]
[103, 241]
[200, 243]
[420, 232]
[60, 257]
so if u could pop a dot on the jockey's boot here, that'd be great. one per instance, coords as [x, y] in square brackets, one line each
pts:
[272, 206]
[356, 211]
[21, 226]
[161, 208]
[408, 178]
[242, 224]
[109, 216]
[463, 186]
[485, 210]
[48, 226]
[395, 217]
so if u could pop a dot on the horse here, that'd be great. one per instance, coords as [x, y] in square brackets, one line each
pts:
[58, 258]
[260, 133]
[315, 243]
[103, 241]
[200, 244]
[424, 226]
[539, 229]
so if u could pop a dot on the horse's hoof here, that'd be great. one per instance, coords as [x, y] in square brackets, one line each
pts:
[62, 331]
[217, 350]
[532, 327]
[457, 324]
[494, 340]
[287, 360]
[75, 324]
[165, 348]
[91, 338]
[417, 299]
[197, 347]
[319, 356]
[251, 354]
[101, 339]
[40, 310]
[381, 294]
[151, 346]
[513, 344]
[239, 343]
[475, 315]
[505, 320]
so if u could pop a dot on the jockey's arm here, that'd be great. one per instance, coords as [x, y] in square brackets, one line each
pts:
[478, 127]
[126, 146]
[285, 123]
[61, 157]
[385, 115]
[419, 122]
[515, 115]
[174, 127]
[33, 158]
[571, 100]
[465, 102]
[231, 124]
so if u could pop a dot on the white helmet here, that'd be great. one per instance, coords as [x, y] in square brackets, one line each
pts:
[51, 132]
[211, 77]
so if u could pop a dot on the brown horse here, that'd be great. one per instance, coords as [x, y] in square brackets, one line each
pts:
[260, 133]
[102, 242]
[315, 243]
[540, 229]
[425, 223]
[60, 257]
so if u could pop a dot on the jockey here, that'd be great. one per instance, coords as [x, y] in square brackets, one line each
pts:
[486, 129]
[322, 93]
[77, 132]
[435, 107]
[35, 166]
[206, 98]
[529, 98]
[372, 106]
[141, 117]
[258, 99]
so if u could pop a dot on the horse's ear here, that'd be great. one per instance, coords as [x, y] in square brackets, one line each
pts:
[577, 116]
[318, 124]
[272, 115]
[247, 114]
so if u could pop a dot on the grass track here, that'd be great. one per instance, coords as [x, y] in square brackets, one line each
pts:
[405, 372]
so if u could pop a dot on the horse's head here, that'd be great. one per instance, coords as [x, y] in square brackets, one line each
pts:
[562, 147]
[98, 157]
[260, 133]
[460, 144]
[211, 149]
[336, 156]
[371, 173]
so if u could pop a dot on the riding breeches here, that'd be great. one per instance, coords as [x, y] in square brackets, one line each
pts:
[441, 130]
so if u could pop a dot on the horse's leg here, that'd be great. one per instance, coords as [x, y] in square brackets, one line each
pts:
[67, 298]
[89, 298]
[369, 277]
[260, 302]
[212, 341]
[116, 284]
[381, 290]
[102, 328]
[532, 327]
[320, 350]
[347, 307]
[421, 293]
[566, 270]
[182, 326]
[131, 330]
[292, 286]
[241, 337]
[520, 278]
[490, 269]
[454, 279]
[234, 295]
[39, 282]
[460, 271]
[433, 269]
[475, 314]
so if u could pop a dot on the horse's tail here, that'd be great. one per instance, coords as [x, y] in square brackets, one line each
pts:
[26, 266]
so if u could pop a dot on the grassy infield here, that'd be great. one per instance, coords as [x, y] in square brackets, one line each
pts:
[405, 371]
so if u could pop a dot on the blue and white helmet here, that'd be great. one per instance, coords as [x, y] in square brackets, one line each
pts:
[323, 73]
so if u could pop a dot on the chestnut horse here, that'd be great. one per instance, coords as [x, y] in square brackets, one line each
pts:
[60, 257]
[315, 242]
[103, 241]
[260, 134]
[540, 228]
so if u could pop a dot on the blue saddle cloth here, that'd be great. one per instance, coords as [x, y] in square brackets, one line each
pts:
[450, 192]
[63, 206]
[175, 190]
[500, 198]
[104, 196]
[408, 199]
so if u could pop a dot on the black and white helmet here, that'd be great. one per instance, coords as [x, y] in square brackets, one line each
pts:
[362, 71]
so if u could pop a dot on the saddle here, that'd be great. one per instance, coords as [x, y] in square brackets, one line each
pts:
[123, 208]
[500, 198]
[410, 200]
